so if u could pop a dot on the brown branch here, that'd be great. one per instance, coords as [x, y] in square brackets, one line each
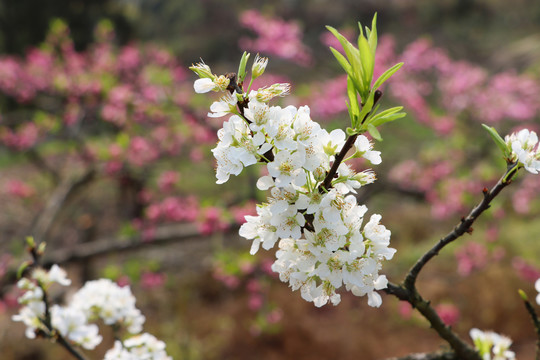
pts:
[41, 164]
[429, 356]
[163, 235]
[63, 193]
[463, 227]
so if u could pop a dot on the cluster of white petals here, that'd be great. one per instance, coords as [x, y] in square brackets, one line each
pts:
[139, 347]
[492, 346]
[33, 310]
[525, 149]
[318, 228]
[100, 299]
[113, 304]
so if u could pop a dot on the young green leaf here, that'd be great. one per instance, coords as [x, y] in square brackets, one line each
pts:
[374, 132]
[498, 140]
[242, 67]
[386, 75]
[353, 106]
[372, 36]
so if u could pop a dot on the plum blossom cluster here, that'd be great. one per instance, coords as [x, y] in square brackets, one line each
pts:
[525, 149]
[491, 345]
[96, 300]
[144, 346]
[316, 222]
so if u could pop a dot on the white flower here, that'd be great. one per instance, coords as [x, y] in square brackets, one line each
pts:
[140, 347]
[225, 105]
[111, 303]
[332, 142]
[288, 223]
[287, 168]
[525, 149]
[537, 287]
[72, 324]
[204, 85]
[364, 149]
[31, 315]
[489, 343]
[259, 229]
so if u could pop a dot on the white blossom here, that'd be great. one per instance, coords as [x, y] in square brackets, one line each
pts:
[140, 347]
[73, 325]
[113, 304]
[525, 149]
[492, 346]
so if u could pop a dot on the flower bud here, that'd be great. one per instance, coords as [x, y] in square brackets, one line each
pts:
[259, 65]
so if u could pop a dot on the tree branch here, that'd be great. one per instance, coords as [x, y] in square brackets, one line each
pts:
[62, 194]
[461, 228]
[429, 356]
[163, 235]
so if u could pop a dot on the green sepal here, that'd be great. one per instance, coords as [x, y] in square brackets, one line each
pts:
[386, 75]
[374, 132]
[498, 140]
[22, 268]
[242, 67]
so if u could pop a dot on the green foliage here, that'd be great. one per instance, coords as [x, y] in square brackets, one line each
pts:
[359, 64]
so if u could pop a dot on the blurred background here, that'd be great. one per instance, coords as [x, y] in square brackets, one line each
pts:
[105, 155]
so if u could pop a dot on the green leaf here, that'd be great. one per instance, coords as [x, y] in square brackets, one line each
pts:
[353, 106]
[342, 61]
[498, 140]
[386, 75]
[374, 132]
[386, 116]
[368, 106]
[242, 67]
[350, 131]
[367, 62]
[372, 36]
[22, 268]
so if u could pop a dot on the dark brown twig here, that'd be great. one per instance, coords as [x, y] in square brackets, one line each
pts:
[465, 226]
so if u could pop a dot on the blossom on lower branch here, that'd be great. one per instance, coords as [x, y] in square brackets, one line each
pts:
[489, 343]
[99, 299]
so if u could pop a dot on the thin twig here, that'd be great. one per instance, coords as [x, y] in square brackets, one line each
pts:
[536, 323]
[463, 227]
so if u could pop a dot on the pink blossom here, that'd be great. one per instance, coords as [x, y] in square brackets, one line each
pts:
[123, 281]
[274, 316]
[471, 256]
[525, 270]
[405, 310]
[19, 189]
[448, 313]
[167, 180]
[275, 37]
[255, 302]
[151, 280]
